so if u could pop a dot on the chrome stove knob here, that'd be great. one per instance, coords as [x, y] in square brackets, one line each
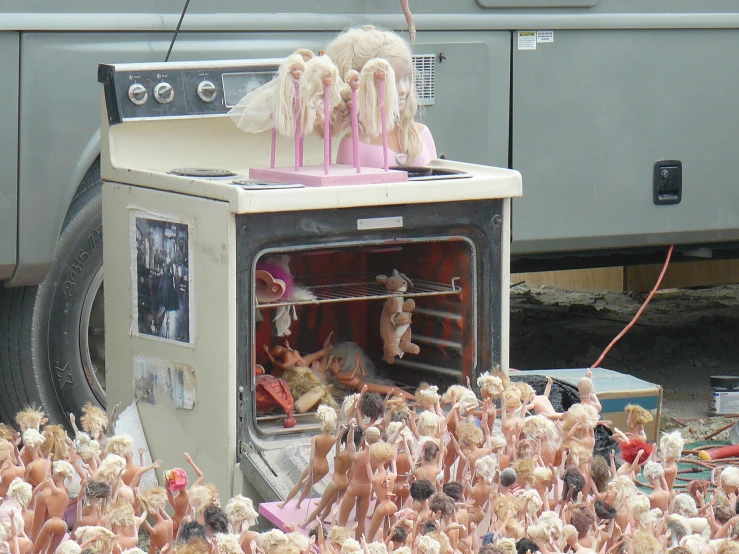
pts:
[163, 93]
[137, 94]
[207, 91]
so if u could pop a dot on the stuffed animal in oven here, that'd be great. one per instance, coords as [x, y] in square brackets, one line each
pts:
[395, 321]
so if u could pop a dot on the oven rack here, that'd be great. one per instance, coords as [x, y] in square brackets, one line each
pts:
[368, 290]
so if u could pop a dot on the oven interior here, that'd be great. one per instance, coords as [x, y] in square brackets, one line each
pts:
[335, 289]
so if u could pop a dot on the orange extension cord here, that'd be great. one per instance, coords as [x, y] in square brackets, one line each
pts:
[638, 314]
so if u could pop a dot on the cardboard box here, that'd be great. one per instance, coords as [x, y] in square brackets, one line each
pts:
[615, 391]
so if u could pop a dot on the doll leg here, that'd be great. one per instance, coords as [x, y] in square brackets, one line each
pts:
[325, 502]
[38, 516]
[43, 538]
[362, 509]
[347, 505]
[309, 399]
[449, 459]
[406, 345]
[377, 520]
[296, 488]
[384, 389]
[309, 487]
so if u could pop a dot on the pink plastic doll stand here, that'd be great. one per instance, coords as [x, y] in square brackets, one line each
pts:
[383, 117]
[355, 132]
[298, 138]
[326, 131]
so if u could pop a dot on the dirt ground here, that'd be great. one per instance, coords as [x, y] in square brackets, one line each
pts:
[682, 338]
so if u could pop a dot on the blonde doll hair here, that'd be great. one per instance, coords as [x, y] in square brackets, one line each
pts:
[402, 550]
[7, 451]
[644, 542]
[399, 405]
[730, 476]
[55, 446]
[311, 90]
[103, 544]
[428, 545]
[507, 545]
[6, 433]
[368, 97]
[469, 433]
[543, 475]
[133, 551]
[504, 504]
[352, 49]
[513, 398]
[87, 448]
[339, 535]
[580, 413]
[653, 471]
[622, 488]
[428, 396]
[200, 496]
[305, 53]
[298, 540]
[351, 546]
[120, 445]
[406, 433]
[110, 469]
[639, 506]
[490, 384]
[696, 544]
[428, 424]
[684, 505]
[153, 499]
[327, 416]
[70, 547]
[121, 515]
[271, 540]
[639, 416]
[20, 491]
[240, 510]
[62, 467]
[468, 403]
[381, 452]
[228, 544]
[534, 502]
[376, 547]
[349, 403]
[93, 419]
[543, 428]
[456, 390]
[372, 435]
[585, 386]
[497, 443]
[726, 546]
[524, 468]
[284, 112]
[32, 438]
[486, 467]
[527, 391]
[671, 445]
[29, 418]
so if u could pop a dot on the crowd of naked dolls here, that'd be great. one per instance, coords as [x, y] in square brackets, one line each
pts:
[498, 473]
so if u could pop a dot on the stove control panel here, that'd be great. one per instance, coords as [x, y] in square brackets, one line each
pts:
[180, 89]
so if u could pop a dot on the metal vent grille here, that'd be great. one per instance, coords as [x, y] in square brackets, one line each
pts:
[424, 70]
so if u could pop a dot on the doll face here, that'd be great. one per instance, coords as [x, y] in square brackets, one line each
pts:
[403, 80]
[354, 82]
[327, 80]
[296, 71]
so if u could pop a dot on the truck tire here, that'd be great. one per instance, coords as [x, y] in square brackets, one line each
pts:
[52, 349]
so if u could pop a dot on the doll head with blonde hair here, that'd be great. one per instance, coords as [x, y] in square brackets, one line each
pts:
[638, 415]
[453, 394]
[29, 417]
[491, 386]
[20, 491]
[93, 420]
[87, 447]
[228, 544]
[241, 513]
[354, 48]
[377, 72]
[427, 396]
[327, 416]
[110, 470]
[382, 453]
[319, 71]
[7, 433]
[428, 424]
[527, 391]
[486, 466]
[153, 499]
[101, 539]
[469, 434]
[120, 445]
[543, 428]
[55, 446]
[580, 413]
[288, 76]
[511, 398]
[671, 445]
[7, 451]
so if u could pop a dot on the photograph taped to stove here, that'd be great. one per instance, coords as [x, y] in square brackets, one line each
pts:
[161, 297]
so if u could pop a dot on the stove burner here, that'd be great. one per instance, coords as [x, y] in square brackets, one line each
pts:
[202, 173]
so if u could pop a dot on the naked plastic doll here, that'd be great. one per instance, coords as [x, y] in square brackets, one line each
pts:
[51, 503]
[284, 357]
[670, 449]
[91, 503]
[122, 445]
[11, 466]
[354, 379]
[320, 447]
[430, 461]
[541, 405]
[176, 485]
[161, 533]
[485, 470]
[340, 480]
[242, 515]
[660, 495]
[124, 524]
[29, 418]
[38, 466]
[360, 484]
[510, 413]
[382, 455]
[587, 391]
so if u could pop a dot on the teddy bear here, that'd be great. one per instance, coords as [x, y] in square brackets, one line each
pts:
[395, 321]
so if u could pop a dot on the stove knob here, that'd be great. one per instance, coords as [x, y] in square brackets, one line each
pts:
[164, 93]
[137, 93]
[207, 91]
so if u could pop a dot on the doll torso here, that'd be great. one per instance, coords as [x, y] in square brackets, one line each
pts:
[7, 477]
[371, 155]
[324, 444]
[342, 463]
[38, 470]
[164, 532]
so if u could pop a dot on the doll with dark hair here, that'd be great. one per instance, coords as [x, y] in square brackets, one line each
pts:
[372, 406]
[421, 491]
[600, 473]
[583, 519]
[431, 461]
[604, 510]
[215, 520]
[526, 545]
[573, 484]
[192, 530]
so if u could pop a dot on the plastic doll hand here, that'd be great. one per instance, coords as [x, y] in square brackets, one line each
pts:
[142, 450]
[588, 373]
[327, 343]
[288, 527]
[72, 419]
[188, 458]
[157, 464]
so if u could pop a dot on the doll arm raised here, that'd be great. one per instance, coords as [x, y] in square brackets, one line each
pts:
[201, 478]
[140, 472]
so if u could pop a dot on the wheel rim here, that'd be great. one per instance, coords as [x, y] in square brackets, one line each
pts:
[92, 337]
